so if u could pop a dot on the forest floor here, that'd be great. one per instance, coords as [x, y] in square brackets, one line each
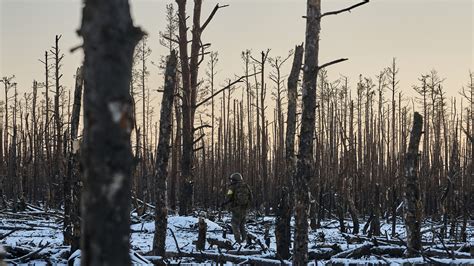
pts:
[35, 236]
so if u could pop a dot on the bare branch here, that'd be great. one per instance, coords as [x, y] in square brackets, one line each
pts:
[170, 39]
[72, 50]
[198, 139]
[332, 63]
[211, 16]
[223, 89]
[344, 10]
[201, 127]
[198, 149]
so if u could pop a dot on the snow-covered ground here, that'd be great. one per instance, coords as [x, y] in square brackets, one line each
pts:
[33, 231]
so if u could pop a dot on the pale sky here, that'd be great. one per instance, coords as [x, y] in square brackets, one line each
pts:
[422, 35]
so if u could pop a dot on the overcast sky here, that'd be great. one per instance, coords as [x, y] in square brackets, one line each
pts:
[422, 35]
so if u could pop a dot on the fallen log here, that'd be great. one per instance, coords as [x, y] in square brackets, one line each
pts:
[465, 248]
[246, 252]
[25, 258]
[16, 251]
[7, 234]
[33, 214]
[221, 258]
[438, 253]
[321, 253]
[143, 203]
[221, 244]
[16, 228]
[392, 251]
[33, 207]
[356, 253]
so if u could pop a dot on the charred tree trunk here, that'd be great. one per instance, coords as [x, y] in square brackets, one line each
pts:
[109, 42]
[283, 228]
[161, 211]
[72, 186]
[186, 183]
[412, 190]
[58, 178]
[304, 171]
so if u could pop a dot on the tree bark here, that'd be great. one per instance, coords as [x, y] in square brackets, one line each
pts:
[161, 211]
[109, 42]
[304, 171]
[73, 187]
[186, 178]
[283, 228]
[58, 176]
[412, 190]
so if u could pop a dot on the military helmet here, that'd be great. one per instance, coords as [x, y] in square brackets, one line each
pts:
[236, 177]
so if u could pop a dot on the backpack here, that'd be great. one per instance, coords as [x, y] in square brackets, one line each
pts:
[243, 196]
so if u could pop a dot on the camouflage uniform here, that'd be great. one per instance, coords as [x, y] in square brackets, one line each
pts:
[239, 196]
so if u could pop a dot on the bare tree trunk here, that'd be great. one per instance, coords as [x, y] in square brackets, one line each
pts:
[34, 146]
[109, 42]
[186, 184]
[412, 190]
[161, 211]
[304, 171]
[2, 160]
[58, 123]
[176, 155]
[72, 186]
[283, 228]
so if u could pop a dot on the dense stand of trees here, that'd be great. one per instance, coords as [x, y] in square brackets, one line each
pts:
[346, 146]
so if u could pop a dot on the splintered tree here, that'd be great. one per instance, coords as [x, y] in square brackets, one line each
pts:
[285, 207]
[162, 157]
[412, 189]
[109, 42]
[6, 180]
[72, 188]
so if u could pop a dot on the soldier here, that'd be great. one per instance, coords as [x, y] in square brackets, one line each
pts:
[239, 196]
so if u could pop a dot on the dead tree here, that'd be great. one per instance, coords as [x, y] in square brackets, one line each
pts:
[109, 42]
[58, 57]
[162, 157]
[282, 230]
[13, 159]
[46, 121]
[2, 160]
[7, 83]
[211, 73]
[189, 73]
[262, 141]
[305, 171]
[72, 186]
[412, 190]
[143, 52]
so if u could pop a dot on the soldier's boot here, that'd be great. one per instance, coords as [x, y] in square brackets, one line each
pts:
[236, 231]
[243, 231]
